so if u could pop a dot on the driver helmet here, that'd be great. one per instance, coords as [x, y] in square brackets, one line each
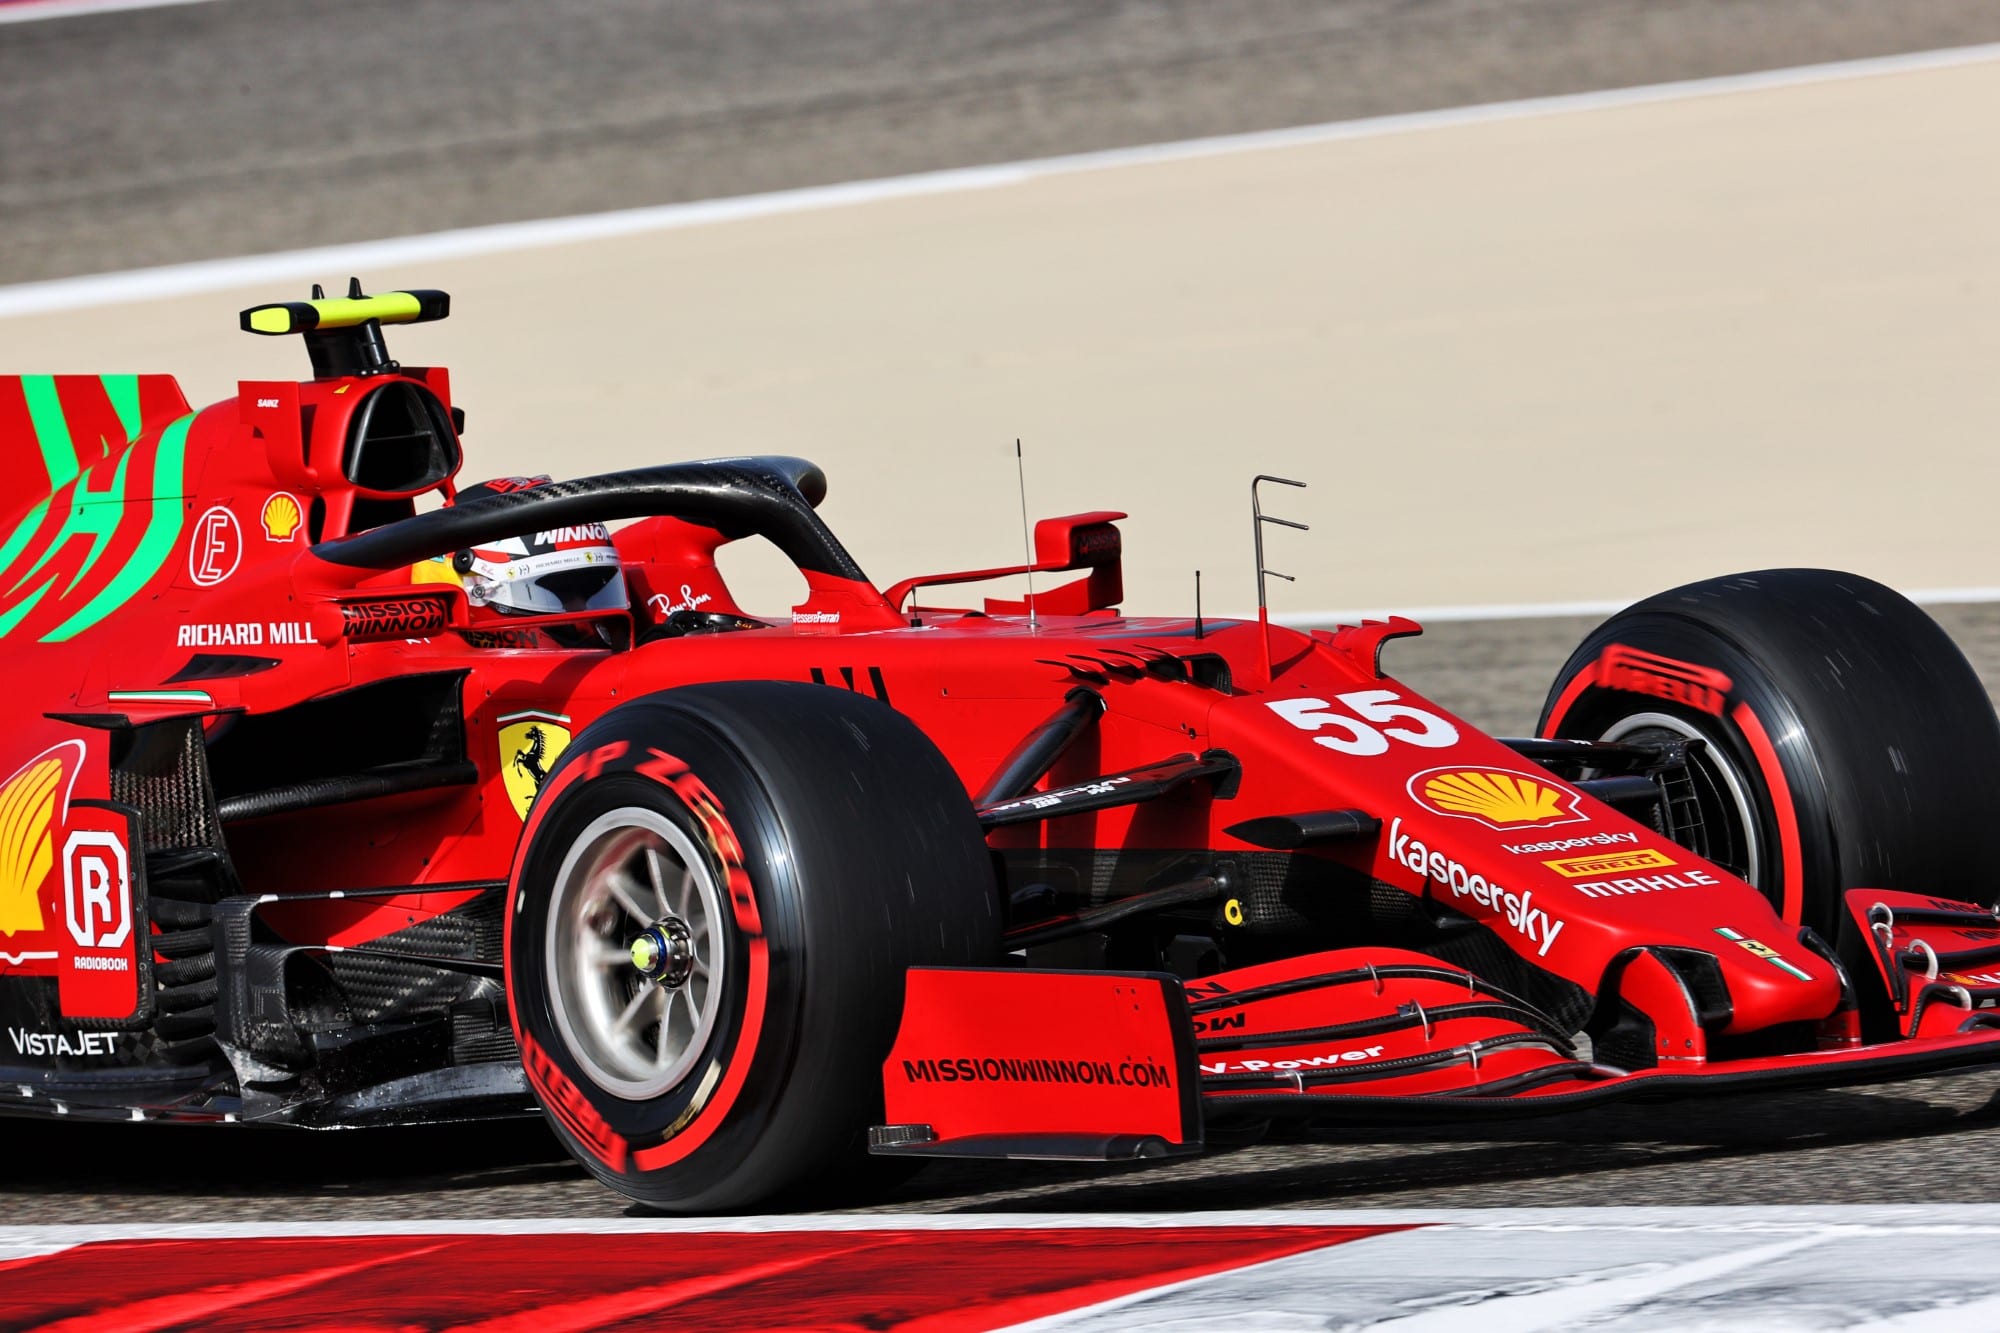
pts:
[547, 572]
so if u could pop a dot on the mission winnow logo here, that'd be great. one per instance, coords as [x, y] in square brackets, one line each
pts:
[1137, 1073]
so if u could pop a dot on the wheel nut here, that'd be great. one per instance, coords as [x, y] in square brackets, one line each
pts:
[649, 951]
[664, 952]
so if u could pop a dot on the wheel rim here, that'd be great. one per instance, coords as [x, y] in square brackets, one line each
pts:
[1720, 789]
[634, 954]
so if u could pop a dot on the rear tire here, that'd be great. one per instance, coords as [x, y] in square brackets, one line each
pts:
[1848, 741]
[809, 845]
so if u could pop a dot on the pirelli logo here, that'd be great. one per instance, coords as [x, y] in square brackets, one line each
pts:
[1609, 863]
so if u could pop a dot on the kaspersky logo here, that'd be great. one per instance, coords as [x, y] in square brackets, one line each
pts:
[1518, 910]
[1500, 798]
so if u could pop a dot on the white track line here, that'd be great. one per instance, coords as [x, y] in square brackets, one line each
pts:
[217, 274]
[1924, 1219]
[34, 11]
[1547, 610]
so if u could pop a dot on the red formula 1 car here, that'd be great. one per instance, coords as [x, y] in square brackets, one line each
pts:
[297, 828]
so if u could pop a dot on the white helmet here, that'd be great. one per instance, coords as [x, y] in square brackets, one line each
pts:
[548, 572]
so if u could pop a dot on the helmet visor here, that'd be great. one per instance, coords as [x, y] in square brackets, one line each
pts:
[582, 578]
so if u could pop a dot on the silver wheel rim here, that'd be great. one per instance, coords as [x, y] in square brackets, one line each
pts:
[1717, 763]
[636, 1035]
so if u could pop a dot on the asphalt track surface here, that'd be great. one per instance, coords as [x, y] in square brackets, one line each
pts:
[1923, 1141]
[249, 125]
[154, 136]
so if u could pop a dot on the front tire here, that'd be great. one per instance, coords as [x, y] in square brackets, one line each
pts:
[1847, 742]
[720, 890]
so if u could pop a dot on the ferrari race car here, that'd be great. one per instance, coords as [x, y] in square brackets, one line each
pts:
[300, 829]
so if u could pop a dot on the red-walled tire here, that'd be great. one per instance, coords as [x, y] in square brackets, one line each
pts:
[1848, 741]
[793, 849]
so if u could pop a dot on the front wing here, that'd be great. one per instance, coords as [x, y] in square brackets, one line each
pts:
[1100, 1065]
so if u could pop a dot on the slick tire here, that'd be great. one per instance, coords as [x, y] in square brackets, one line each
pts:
[796, 849]
[1848, 743]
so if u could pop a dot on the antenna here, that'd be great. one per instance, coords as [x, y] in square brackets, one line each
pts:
[1027, 539]
[1258, 518]
[1197, 604]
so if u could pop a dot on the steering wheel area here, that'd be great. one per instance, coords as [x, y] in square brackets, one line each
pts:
[683, 623]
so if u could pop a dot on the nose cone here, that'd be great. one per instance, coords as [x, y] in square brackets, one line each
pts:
[1773, 980]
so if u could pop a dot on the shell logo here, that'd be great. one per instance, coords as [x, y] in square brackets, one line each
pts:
[1499, 798]
[31, 802]
[281, 517]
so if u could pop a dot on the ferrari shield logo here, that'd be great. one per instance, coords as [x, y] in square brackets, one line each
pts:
[529, 744]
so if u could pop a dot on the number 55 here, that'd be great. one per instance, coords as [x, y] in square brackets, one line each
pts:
[1360, 738]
